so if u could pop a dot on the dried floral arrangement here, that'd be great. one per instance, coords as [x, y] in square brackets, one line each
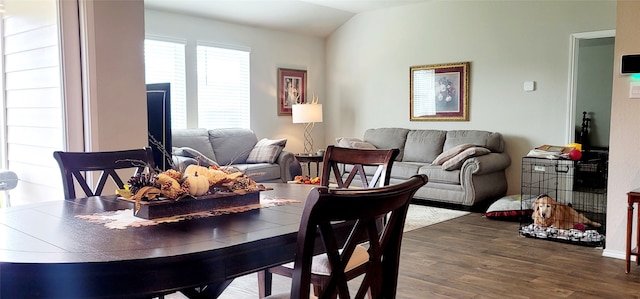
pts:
[195, 181]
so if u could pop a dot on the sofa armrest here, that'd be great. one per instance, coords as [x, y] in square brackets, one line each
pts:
[181, 162]
[484, 177]
[285, 160]
[489, 163]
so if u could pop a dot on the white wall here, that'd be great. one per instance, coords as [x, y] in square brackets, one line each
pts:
[624, 158]
[115, 92]
[507, 43]
[270, 50]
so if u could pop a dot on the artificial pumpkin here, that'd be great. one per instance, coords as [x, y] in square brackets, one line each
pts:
[192, 169]
[198, 184]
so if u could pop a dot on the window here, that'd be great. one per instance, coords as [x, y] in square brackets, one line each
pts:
[223, 87]
[223, 94]
[165, 62]
[31, 97]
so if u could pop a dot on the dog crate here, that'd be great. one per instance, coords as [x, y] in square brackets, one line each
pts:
[563, 181]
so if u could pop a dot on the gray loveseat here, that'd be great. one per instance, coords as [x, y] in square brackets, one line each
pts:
[467, 180]
[264, 160]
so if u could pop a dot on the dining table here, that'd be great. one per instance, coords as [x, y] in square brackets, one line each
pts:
[47, 251]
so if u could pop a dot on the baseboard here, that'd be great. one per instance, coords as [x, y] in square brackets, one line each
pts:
[616, 254]
[439, 204]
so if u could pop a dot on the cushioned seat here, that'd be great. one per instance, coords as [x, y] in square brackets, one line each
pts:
[405, 170]
[436, 175]
[321, 266]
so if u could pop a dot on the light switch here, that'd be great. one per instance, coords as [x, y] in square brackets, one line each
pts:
[529, 85]
[634, 90]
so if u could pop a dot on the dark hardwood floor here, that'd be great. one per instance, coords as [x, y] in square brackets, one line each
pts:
[475, 257]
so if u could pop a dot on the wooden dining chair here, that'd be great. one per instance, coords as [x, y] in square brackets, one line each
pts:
[344, 165]
[325, 206]
[341, 168]
[78, 164]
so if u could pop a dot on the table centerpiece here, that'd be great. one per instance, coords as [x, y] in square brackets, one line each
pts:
[172, 192]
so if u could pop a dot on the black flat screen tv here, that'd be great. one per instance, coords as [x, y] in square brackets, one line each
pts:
[159, 122]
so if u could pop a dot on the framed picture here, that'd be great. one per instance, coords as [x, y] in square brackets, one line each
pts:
[292, 89]
[439, 92]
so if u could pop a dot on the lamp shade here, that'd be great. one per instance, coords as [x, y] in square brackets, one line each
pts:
[306, 113]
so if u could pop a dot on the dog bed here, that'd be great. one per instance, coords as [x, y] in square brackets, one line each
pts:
[511, 208]
[588, 237]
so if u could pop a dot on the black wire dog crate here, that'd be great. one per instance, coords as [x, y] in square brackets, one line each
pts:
[563, 181]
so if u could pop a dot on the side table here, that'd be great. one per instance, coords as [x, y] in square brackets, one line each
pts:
[308, 159]
[633, 197]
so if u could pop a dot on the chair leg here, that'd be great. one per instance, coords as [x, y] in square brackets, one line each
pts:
[265, 279]
[318, 291]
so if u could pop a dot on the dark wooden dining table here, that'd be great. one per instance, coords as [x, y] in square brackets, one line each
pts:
[47, 252]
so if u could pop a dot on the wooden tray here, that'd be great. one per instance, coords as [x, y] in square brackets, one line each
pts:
[220, 200]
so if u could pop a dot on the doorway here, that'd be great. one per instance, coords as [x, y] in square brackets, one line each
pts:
[589, 117]
[591, 83]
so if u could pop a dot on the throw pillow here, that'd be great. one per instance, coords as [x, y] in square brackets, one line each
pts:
[362, 145]
[266, 150]
[177, 151]
[450, 153]
[457, 160]
[191, 153]
[353, 143]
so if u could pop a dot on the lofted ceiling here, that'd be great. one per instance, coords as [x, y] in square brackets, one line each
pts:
[310, 17]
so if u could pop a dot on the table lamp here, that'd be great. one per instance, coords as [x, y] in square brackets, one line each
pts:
[308, 114]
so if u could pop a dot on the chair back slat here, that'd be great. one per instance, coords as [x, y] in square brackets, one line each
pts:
[325, 206]
[339, 160]
[78, 164]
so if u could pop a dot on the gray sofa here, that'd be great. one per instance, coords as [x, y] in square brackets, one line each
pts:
[264, 160]
[466, 181]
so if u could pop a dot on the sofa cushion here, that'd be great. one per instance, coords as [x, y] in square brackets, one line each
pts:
[232, 145]
[423, 145]
[404, 170]
[450, 153]
[266, 150]
[490, 140]
[387, 138]
[457, 161]
[196, 139]
[437, 175]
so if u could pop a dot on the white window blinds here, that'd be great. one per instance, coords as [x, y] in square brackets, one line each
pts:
[165, 62]
[223, 87]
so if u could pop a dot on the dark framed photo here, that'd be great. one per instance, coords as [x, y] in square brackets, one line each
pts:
[292, 89]
[439, 92]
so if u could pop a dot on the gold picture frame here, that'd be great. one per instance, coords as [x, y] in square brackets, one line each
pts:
[439, 92]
